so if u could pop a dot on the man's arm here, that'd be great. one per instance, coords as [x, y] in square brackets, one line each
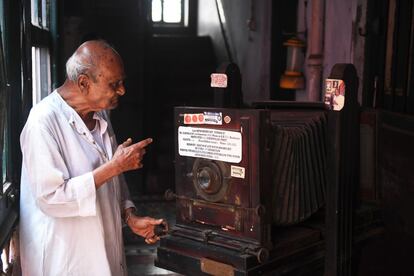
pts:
[45, 172]
[56, 193]
[127, 157]
[130, 156]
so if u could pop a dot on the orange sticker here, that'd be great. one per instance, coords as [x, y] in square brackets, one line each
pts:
[201, 117]
[187, 118]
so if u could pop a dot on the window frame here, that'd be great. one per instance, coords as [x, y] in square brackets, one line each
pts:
[11, 13]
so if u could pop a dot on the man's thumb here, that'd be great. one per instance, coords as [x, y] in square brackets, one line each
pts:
[157, 221]
[127, 143]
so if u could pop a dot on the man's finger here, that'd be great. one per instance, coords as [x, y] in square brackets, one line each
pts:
[156, 221]
[127, 143]
[152, 240]
[143, 143]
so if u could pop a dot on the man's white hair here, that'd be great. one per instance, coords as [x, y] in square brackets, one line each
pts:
[76, 65]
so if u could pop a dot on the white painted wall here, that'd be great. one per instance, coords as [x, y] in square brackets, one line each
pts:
[342, 40]
[250, 49]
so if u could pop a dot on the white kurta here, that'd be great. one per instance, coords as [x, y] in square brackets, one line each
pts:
[67, 227]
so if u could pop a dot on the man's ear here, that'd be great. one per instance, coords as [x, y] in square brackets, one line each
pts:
[83, 83]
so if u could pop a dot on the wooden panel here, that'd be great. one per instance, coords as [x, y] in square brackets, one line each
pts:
[368, 147]
[389, 55]
[396, 159]
[216, 268]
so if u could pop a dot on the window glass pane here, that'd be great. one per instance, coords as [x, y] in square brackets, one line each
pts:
[41, 84]
[5, 150]
[2, 17]
[35, 83]
[3, 113]
[45, 71]
[35, 13]
[40, 14]
[45, 14]
[186, 11]
[172, 11]
[156, 10]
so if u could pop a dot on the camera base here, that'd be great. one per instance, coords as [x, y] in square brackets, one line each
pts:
[297, 251]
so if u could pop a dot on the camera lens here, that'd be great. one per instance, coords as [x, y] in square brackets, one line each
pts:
[204, 179]
[210, 179]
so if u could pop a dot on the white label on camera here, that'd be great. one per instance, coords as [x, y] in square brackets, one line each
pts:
[213, 118]
[237, 171]
[215, 144]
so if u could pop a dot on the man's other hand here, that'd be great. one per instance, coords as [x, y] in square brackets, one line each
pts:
[144, 226]
[129, 156]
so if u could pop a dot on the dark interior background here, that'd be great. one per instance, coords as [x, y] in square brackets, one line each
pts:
[170, 67]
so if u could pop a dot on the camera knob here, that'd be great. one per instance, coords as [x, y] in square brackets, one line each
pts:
[169, 195]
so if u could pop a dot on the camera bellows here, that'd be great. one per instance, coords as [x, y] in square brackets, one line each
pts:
[298, 166]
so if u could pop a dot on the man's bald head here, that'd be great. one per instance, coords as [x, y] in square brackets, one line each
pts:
[89, 58]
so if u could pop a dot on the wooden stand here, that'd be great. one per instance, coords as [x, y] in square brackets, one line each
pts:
[298, 251]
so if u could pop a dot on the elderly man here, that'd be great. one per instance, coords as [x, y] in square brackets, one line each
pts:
[72, 191]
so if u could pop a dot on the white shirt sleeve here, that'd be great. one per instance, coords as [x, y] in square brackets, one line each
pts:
[56, 193]
[125, 201]
[125, 197]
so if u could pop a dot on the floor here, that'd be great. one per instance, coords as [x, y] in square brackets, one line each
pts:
[140, 256]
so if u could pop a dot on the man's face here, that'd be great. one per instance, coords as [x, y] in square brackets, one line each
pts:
[108, 85]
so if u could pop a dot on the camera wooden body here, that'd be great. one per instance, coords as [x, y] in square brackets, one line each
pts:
[221, 166]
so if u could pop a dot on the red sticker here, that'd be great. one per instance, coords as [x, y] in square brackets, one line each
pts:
[194, 118]
[201, 118]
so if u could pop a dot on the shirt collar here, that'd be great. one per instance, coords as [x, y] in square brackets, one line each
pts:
[73, 117]
[102, 122]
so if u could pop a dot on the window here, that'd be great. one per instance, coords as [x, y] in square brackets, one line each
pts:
[4, 115]
[9, 50]
[40, 15]
[169, 13]
[41, 76]
[26, 38]
[172, 17]
[10, 95]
